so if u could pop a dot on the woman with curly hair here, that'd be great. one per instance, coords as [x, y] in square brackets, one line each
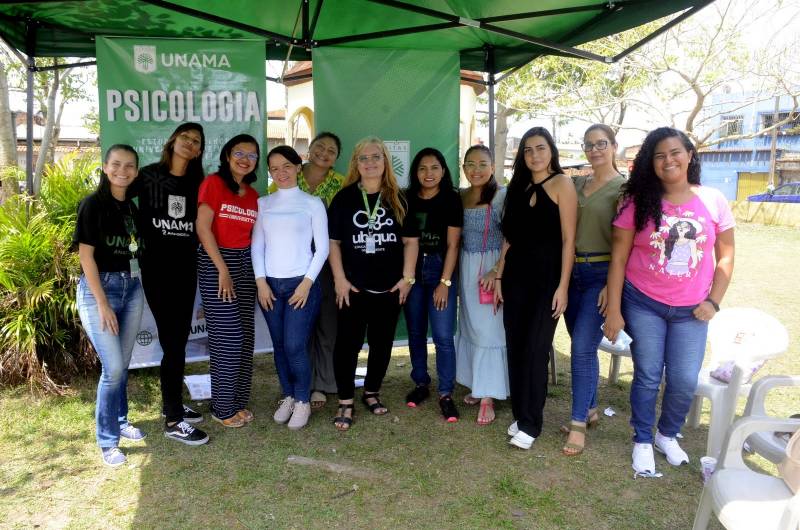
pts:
[533, 275]
[373, 253]
[665, 288]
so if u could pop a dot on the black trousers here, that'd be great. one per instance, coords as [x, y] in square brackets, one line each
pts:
[323, 338]
[170, 288]
[376, 315]
[529, 334]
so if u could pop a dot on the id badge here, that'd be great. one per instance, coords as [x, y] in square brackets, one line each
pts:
[370, 247]
[135, 272]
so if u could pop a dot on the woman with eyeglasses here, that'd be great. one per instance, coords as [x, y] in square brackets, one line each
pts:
[290, 246]
[320, 179]
[109, 296]
[481, 362]
[671, 262]
[533, 276]
[227, 211]
[598, 195]
[167, 192]
[436, 209]
[373, 254]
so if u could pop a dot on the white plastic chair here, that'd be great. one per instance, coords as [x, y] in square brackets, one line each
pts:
[742, 335]
[767, 444]
[745, 499]
[616, 353]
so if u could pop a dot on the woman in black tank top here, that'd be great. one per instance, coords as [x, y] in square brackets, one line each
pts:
[535, 265]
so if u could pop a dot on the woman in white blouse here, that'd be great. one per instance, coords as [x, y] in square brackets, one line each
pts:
[286, 266]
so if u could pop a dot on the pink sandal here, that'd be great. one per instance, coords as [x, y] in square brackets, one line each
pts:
[482, 416]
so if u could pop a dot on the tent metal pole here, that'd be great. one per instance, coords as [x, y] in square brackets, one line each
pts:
[383, 34]
[489, 63]
[669, 25]
[314, 20]
[63, 66]
[30, 46]
[306, 33]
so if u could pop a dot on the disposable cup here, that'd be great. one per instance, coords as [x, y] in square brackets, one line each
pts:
[707, 466]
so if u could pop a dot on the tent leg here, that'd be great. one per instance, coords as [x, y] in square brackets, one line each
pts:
[489, 63]
[30, 42]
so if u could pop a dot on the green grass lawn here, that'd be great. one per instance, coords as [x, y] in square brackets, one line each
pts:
[408, 469]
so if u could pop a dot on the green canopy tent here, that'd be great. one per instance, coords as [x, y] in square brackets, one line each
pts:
[491, 37]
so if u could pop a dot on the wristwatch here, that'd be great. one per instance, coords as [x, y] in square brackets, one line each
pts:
[713, 304]
[410, 281]
[448, 283]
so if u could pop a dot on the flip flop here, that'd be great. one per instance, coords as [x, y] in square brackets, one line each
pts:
[318, 399]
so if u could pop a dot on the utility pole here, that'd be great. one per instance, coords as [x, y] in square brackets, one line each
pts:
[773, 145]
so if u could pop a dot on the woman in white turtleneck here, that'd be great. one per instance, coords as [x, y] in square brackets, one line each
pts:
[286, 266]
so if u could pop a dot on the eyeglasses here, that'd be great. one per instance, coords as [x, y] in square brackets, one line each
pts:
[601, 146]
[363, 159]
[194, 142]
[473, 165]
[241, 154]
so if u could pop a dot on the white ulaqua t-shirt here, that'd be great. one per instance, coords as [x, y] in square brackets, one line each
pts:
[288, 220]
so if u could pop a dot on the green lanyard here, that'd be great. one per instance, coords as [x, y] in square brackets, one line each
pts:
[371, 216]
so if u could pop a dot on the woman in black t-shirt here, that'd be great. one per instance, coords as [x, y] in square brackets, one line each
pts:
[167, 192]
[373, 252]
[437, 211]
[109, 293]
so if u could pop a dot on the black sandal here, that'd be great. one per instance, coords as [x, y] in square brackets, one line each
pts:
[374, 406]
[345, 421]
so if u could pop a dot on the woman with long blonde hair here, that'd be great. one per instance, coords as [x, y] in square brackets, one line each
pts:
[373, 253]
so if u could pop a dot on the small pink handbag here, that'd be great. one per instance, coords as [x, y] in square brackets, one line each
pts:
[485, 296]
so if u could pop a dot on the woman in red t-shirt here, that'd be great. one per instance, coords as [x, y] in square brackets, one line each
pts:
[227, 211]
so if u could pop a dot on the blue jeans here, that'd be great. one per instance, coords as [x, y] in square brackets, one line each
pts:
[419, 309]
[290, 330]
[583, 320]
[667, 340]
[126, 299]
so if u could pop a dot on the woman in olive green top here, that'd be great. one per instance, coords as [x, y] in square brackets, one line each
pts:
[597, 204]
[319, 179]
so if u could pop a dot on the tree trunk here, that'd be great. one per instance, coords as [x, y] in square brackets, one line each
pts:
[8, 149]
[500, 139]
[47, 135]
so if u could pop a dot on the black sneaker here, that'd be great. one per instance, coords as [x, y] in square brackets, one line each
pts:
[189, 415]
[185, 433]
[417, 396]
[449, 410]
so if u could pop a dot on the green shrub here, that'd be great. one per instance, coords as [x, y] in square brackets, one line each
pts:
[40, 337]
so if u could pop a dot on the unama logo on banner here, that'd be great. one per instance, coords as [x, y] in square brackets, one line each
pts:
[144, 58]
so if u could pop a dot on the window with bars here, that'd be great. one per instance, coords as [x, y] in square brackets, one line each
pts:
[731, 125]
[793, 124]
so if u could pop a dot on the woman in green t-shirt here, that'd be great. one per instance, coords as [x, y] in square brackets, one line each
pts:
[597, 203]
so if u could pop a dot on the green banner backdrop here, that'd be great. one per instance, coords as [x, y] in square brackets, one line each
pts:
[408, 98]
[149, 86]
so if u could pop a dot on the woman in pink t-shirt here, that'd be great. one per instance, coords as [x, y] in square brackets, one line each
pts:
[671, 263]
[226, 213]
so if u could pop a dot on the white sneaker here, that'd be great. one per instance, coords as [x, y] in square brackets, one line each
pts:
[302, 410]
[285, 409]
[513, 429]
[643, 459]
[669, 446]
[522, 440]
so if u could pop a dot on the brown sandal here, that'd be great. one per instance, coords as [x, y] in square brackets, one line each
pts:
[571, 448]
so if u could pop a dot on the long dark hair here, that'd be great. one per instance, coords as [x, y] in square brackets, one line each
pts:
[445, 185]
[521, 177]
[103, 190]
[612, 139]
[669, 244]
[195, 166]
[224, 170]
[644, 188]
[490, 188]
